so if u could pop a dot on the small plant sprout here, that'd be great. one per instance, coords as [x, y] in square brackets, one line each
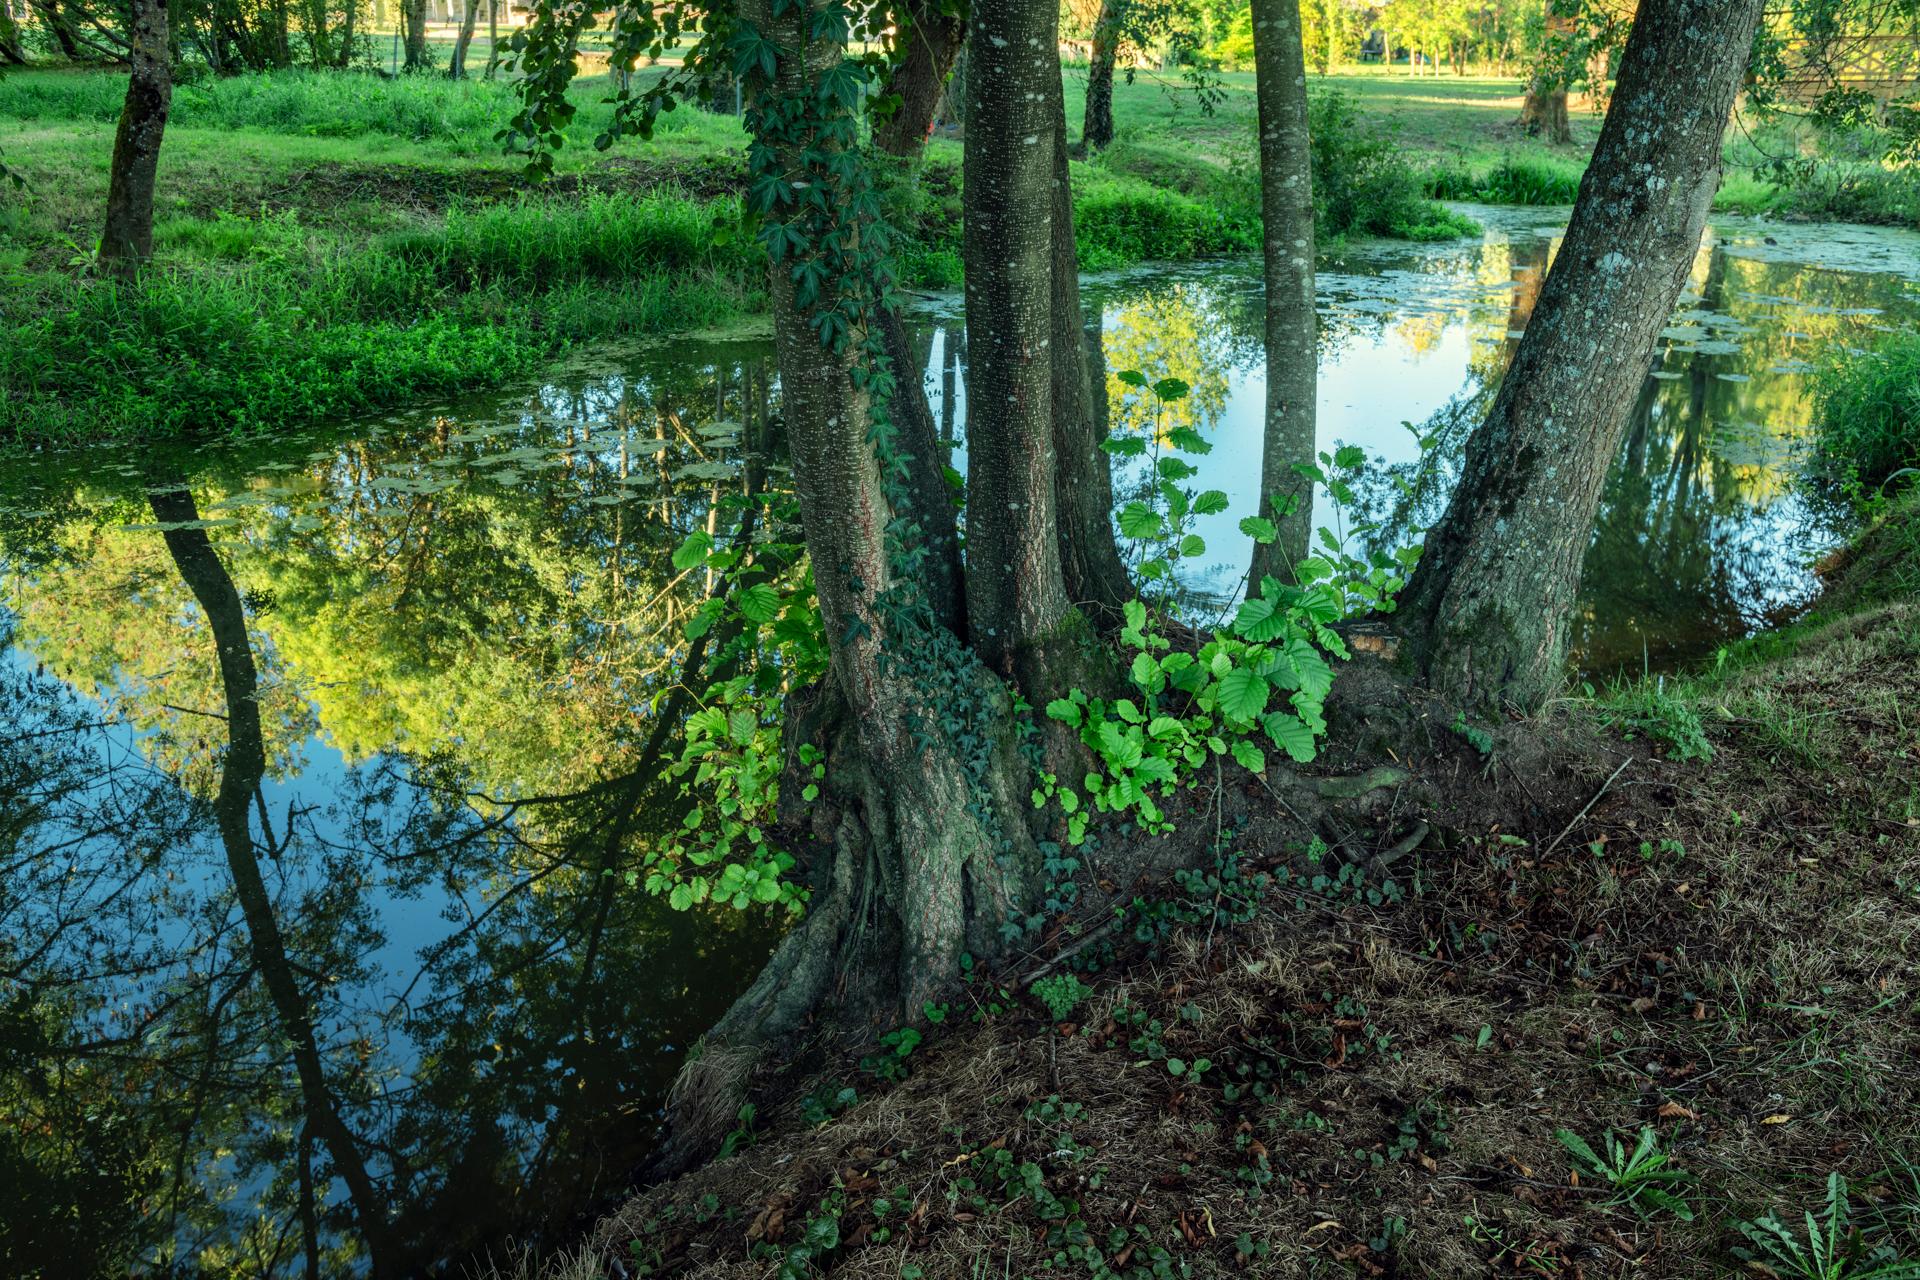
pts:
[1061, 994]
[1644, 1178]
[1827, 1248]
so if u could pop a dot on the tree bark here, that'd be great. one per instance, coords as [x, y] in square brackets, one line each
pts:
[1095, 578]
[1286, 206]
[1543, 113]
[920, 852]
[1486, 615]
[416, 54]
[11, 51]
[1096, 126]
[1016, 590]
[60, 27]
[933, 41]
[928, 459]
[127, 241]
[457, 66]
[493, 39]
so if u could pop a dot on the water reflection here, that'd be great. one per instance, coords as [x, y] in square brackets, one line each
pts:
[321, 759]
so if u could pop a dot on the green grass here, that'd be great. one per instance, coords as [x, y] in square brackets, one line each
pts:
[1526, 180]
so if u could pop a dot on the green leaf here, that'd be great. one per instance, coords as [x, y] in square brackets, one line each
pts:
[1171, 389]
[692, 551]
[1124, 446]
[1145, 672]
[766, 889]
[1258, 620]
[1172, 468]
[1250, 757]
[760, 603]
[1138, 520]
[1259, 528]
[1291, 734]
[1349, 456]
[681, 898]
[1243, 694]
[1212, 502]
[1193, 545]
[1132, 377]
[1136, 615]
[1064, 711]
[1120, 746]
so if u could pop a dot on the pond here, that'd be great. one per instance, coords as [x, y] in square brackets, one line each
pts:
[323, 759]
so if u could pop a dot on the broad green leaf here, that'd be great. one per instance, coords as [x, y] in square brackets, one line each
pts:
[1124, 446]
[1120, 746]
[1212, 502]
[1243, 694]
[1349, 456]
[1258, 620]
[693, 550]
[1065, 711]
[1171, 389]
[1291, 735]
[1259, 528]
[1250, 757]
[1132, 377]
[760, 603]
[1138, 520]
[1193, 545]
[1145, 672]
[681, 898]
[1172, 468]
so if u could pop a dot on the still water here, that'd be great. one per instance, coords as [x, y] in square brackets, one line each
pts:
[322, 758]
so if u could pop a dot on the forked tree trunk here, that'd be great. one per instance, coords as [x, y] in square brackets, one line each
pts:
[1486, 615]
[1016, 591]
[1286, 206]
[921, 854]
[416, 15]
[1096, 127]
[127, 241]
[933, 40]
[457, 66]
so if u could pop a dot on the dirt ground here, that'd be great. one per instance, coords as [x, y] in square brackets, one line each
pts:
[1283, 1067]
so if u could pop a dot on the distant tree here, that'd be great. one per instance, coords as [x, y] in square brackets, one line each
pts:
[1119, 26]
[127, 241]
[457, 67]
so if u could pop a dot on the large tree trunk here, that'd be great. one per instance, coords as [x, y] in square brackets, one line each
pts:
[242, 769]
[493, 39]
[1096, 127]
[1016, 592]
[416, 15]
[1486, 614]
[127, 241]
[936, 524]
[933, 41]
[457, 65]
[1286, 206]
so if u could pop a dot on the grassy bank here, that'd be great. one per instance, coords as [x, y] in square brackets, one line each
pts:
[1283, 1065]
[330, 245]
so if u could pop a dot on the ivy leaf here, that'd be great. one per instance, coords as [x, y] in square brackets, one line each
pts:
[1212, 502]
[1243, 694]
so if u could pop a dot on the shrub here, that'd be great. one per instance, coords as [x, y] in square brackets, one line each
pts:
[1363, 186]
[1867, 413]
[1523, 181]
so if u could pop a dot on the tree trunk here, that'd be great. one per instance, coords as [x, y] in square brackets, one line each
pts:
[1487, 611]
[11, 51]
[127, 241]
[1286, 205]
[241, 772]
[1544, 111]
[457, 66]
[1095, 578]
[1016, 590]
[60, 27]
[493, 39]
[928, 459]
[416, 15]
[919, 854]
[1096, 127]
[933, 42]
